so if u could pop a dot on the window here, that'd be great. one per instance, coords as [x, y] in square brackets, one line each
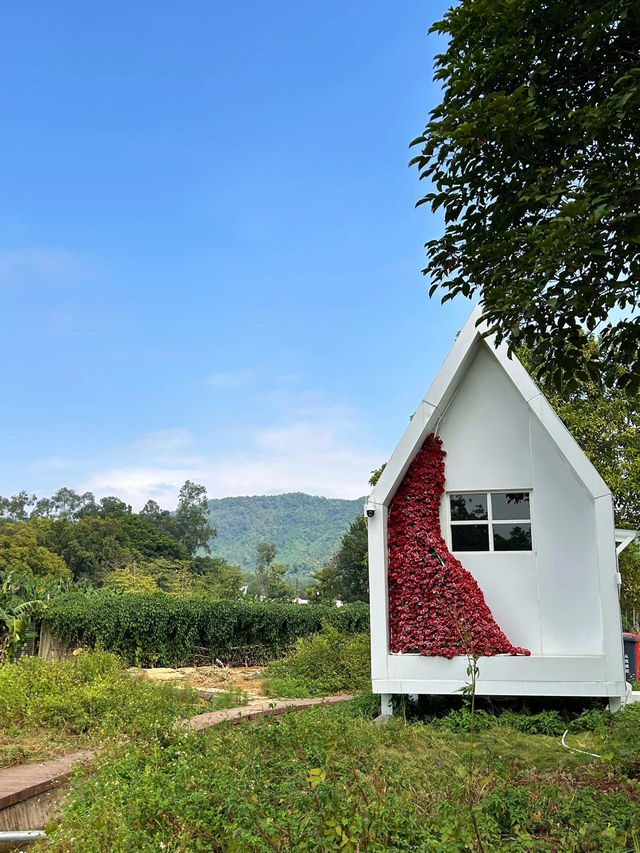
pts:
[490, 521]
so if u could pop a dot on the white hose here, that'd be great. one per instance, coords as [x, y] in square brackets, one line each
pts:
[573, 748]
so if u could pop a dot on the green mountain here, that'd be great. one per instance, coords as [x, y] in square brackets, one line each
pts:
[306, 529]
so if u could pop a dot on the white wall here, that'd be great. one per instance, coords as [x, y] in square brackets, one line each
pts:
[546, 600]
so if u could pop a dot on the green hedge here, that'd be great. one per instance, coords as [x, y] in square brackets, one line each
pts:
[163, 630]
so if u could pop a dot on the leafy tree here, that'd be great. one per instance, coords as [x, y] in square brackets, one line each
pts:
[44, 508]
[17, 507]
[90, 547]
[328, 586]
[217, 578]
[534, 155]
[375, 475]
[95, 545]
[181, 580]
[153, 511]
[351, 562]
[131, 579]
[265, 555]
[347, 575]
[210, 576]
[605, 421]
[193, 529]
[21, 553]
[630, 589]
[66, 503]
[268, 583]
[112, 507]
[160, 518]
[142, 537]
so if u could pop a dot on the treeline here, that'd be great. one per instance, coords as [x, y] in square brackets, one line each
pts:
[74, 537]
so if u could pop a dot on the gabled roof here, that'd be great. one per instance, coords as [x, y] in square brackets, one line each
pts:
[432, 408]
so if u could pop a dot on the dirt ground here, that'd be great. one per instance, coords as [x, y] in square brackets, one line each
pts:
[208, 679]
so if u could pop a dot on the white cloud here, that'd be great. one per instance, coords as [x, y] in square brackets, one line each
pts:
[136, 485]
[299, 457]
[230, 378]
[163, 440]
[321, 453]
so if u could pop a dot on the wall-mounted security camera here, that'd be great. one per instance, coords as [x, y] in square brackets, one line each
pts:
[370, 512]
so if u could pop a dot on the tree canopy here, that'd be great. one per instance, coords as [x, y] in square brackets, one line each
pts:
[605, 421]
[534, 155]
[346, 577]
[21, 552]
[268, 583]
[192, 527]
[74, 536]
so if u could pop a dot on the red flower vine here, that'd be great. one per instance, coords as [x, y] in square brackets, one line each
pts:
[435, 605]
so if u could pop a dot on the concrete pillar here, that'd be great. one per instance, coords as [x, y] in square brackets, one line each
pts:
[615, 703]
[386, 708]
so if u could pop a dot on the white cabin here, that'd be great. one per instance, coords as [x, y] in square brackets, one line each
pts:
[527, 515]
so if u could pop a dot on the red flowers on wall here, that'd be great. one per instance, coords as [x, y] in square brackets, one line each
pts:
[435, 605]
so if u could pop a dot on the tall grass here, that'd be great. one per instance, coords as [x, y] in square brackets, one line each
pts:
[90, 693]
[328, 662]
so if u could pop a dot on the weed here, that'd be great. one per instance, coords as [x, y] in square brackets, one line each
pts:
[328, 662]
[89, 695]
[232, 698]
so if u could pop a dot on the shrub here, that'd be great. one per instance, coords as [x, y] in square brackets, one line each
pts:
[548, 721]
[160, 629]
[624, 739]
[328, 662]
[91, 692]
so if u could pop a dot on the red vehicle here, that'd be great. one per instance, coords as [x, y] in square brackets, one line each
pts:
[631, 656]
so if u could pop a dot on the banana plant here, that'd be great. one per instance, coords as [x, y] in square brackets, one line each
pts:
[14, 628]
[15, 613]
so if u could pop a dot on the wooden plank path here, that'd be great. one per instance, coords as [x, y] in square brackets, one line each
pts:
[28, 780]
[260, 708]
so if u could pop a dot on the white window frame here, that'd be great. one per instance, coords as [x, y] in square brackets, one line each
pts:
[490, 521]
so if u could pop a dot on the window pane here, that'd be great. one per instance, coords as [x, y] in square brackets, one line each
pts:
[511, 537]
[468, 507]
[510, 505]
[469, 537]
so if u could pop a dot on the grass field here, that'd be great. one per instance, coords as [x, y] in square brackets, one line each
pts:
[327, 779]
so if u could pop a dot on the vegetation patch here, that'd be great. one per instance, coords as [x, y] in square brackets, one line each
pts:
[328, 662]
[327, 779]
[49, 706]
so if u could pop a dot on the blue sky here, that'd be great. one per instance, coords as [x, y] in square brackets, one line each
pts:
[209, 253]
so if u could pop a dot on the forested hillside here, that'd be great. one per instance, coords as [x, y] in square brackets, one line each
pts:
[306, 529]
